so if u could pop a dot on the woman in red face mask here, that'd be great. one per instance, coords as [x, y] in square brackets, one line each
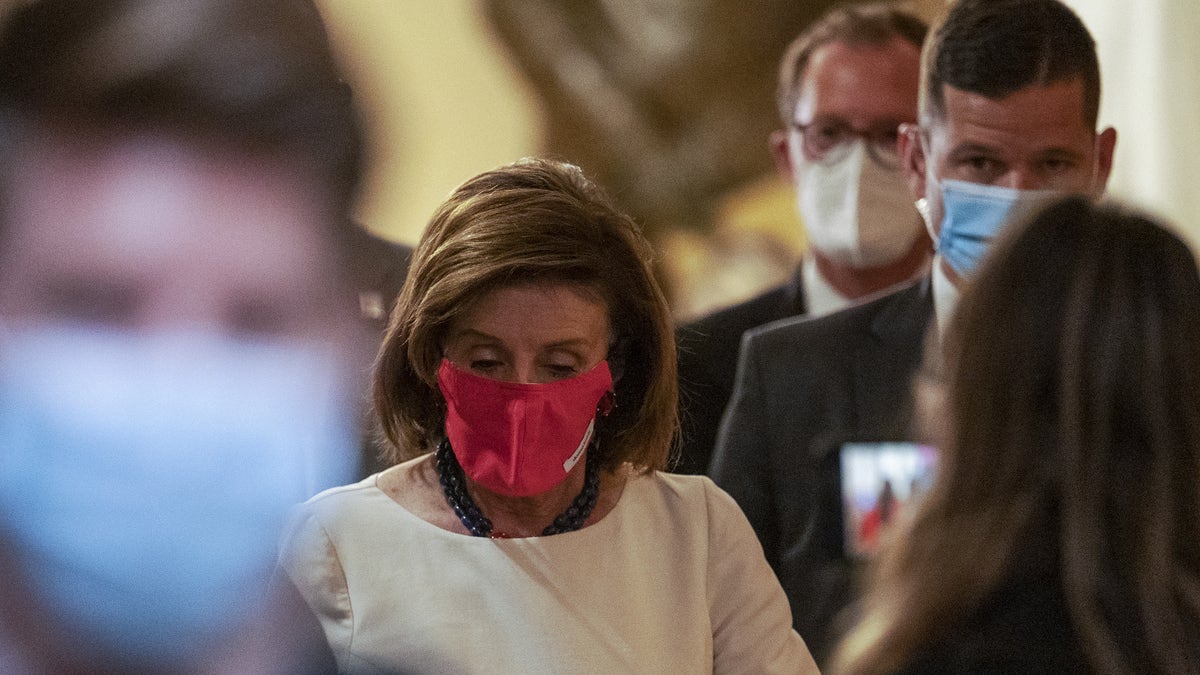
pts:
[527, 386]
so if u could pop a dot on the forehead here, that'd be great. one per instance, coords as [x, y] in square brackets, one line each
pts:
[536, 312]
[148, 208]
[1031, 121]
[865, 81]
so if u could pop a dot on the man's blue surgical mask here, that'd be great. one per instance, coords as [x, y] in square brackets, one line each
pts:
[144, 477]
[973, 215]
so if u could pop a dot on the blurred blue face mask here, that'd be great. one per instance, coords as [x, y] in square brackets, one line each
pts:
[973, 215]
[144, 478]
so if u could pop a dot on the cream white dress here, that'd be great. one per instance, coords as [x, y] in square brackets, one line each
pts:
[671, 580]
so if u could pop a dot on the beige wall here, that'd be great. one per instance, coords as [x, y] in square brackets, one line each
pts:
[443, 103]
[1148, 56]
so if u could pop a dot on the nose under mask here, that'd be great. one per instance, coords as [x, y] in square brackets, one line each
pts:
[974, 215]
[855, 211]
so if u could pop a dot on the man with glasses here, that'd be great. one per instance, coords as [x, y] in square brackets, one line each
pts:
[1010, 93]
[845, 86]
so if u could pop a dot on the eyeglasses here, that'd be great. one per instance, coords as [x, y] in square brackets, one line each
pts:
[829, 141]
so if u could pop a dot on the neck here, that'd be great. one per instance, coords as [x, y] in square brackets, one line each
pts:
[855, 282]
[945, 285]
[951, 275]
[527, 516]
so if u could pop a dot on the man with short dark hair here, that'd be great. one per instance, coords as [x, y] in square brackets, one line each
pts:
[1009, 98]
[845, 85]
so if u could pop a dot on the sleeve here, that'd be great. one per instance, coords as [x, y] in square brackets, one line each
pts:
[751, 621]
[741, 460]
[310, 560]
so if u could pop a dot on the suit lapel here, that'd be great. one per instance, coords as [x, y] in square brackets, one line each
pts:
[885, 364]
[797, 301]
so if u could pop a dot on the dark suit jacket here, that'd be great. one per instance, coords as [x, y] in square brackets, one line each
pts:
[377, 267]
[803, 384]
[708, 349]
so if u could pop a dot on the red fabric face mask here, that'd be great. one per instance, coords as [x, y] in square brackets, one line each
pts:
[520, 439]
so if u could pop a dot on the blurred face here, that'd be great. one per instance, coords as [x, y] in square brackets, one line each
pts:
[169, 325]
[530, 333]
[846, 90]
[846, 93]
[839, 152]
[1034, 139]
[147, 232]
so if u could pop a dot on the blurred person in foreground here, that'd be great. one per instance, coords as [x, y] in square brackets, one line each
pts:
[175, 368]
[1010, 93]
[1060, 534]
[846, 84]
[378, 267]
[528, 380]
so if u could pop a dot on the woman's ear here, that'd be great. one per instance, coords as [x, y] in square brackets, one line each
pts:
[912, 158]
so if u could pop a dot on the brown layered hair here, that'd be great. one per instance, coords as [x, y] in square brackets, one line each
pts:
[535, 221]
[1073, 395]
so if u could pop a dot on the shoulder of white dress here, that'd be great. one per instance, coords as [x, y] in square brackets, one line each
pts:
[680, 487]
[682, 481]
[338, 492]
[366, 485]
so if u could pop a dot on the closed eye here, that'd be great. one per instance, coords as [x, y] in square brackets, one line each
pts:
[95, 301]
[828, 135]
[1057, 165]
[485, 365]
[562, 372]
[981, 168]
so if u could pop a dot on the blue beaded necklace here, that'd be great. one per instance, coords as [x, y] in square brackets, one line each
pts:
[454, 485]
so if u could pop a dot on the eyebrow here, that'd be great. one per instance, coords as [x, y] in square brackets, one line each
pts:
[974, 149]
[979, 149]
[833, 118]
[570, 342]
[471, 332]
[1061, 152]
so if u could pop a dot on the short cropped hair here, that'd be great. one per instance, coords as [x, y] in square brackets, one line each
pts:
[254, 76]
[995, 48]
[869, 25]
[531, 222]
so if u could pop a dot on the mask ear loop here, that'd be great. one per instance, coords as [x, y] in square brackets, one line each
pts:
[617, 353]
[921, 137]
[607, 402]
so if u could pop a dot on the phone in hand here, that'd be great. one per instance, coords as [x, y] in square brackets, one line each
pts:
[877, 481]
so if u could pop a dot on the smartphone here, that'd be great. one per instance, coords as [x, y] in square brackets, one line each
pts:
[877, 481]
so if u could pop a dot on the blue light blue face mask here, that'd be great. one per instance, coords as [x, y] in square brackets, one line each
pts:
[973, 215]
[144, 479]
